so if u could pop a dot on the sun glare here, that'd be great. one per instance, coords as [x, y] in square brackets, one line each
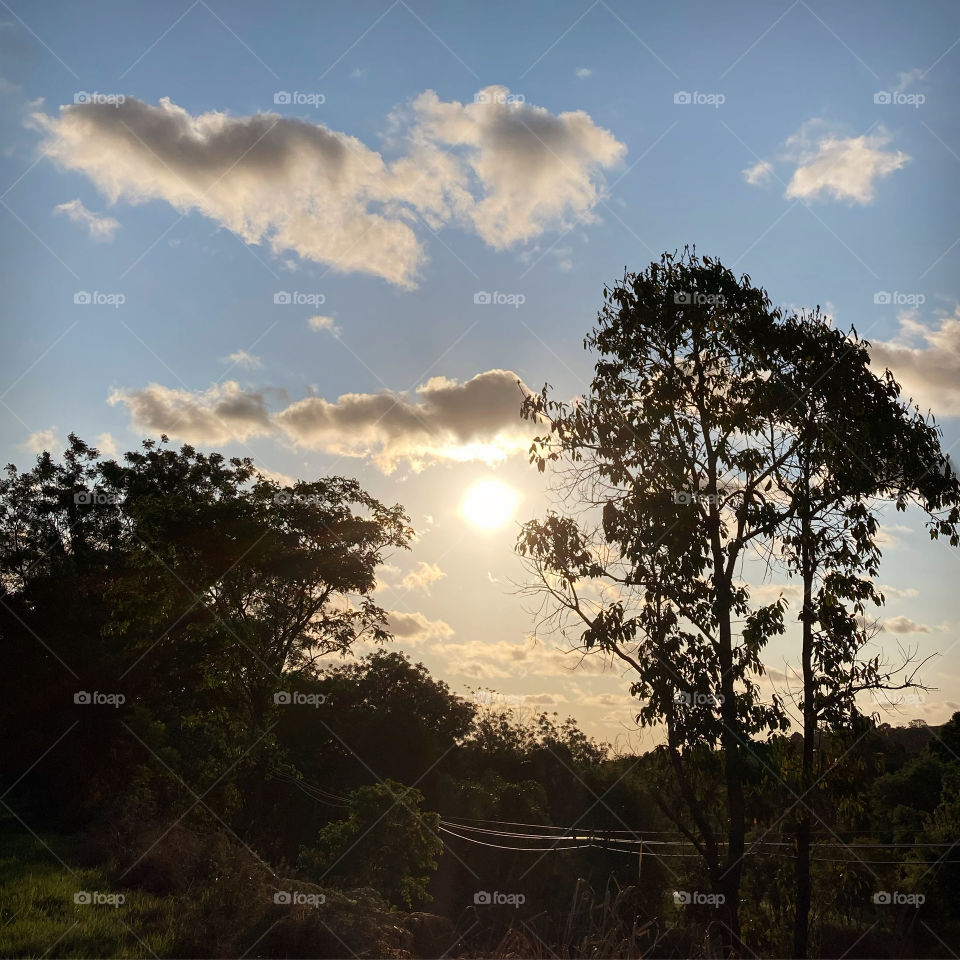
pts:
[489, 504]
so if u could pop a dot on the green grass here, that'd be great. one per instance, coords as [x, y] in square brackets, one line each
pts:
[39, 918]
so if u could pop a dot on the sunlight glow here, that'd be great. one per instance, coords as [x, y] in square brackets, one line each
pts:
[489, 504]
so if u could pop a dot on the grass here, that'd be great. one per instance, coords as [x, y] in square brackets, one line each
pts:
[40, 918]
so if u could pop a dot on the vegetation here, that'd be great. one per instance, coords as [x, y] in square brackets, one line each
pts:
[196, 759]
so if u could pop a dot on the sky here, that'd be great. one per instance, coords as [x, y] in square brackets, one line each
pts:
[333, 237]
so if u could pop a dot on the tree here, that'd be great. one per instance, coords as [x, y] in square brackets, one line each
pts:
[858, 445]
[385, 842]
[716, 426]
[667, 459]
[189, 585]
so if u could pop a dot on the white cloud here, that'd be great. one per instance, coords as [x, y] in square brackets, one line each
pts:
[510, 169]
[422, 576]
[324, 323]
[385, 574]
[219, 414]
[888, 536]
[486, 659]
[898, 593]
[904, 625]
[846, 169]
[827, 165]
[415, 628]
[445, 420]
[284, 479]
[767, 593]
[907, 78]
[41, 440]
[929, 373]
[241, 358]
[583, 72]
[535, 169]
[106, 444]
[760, 173]
[99, 228]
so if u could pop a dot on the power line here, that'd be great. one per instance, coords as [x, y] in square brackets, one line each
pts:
[611, 840]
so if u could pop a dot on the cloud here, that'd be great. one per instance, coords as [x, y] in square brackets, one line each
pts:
[930, 372]
[241, 358]
[583, 72]
[510, 169]
[445, 420]
[415, 628]
[767, 593]
[324, 323]
[106, 444]
[284, 479]
[99, 228]
[904, 625]
[887, 535]
[845, 169]
[829, 166]
[423, 576]
[760, 173]
[485, 659]
[898, 593]
[535, 169]
[219, 414]
[907, 78]
[41, 440]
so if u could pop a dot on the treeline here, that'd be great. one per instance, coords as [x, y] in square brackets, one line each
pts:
[171, 625]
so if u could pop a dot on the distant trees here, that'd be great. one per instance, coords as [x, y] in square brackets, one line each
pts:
[716, 430]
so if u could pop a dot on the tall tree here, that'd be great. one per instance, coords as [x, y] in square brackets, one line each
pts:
[860, 446]
[715, 426]
[667, 458]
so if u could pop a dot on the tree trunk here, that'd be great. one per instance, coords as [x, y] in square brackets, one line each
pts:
[803, 884]
[736, 808]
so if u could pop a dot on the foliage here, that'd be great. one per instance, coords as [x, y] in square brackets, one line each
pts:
[385, 842]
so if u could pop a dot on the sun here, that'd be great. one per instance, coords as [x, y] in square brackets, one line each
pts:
[489, 504]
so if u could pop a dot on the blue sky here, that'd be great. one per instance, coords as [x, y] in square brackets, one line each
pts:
[818, 152]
